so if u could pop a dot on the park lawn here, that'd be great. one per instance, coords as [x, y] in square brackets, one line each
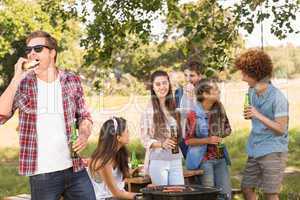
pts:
[12, 184]
[114, 102]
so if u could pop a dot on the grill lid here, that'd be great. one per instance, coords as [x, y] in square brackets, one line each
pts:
[179, 190]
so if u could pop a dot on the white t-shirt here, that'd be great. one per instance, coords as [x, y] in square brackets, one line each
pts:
[101, 189]
[53, 151]
[187, 104]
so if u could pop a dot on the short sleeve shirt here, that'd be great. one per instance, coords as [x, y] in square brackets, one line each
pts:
[262, 140]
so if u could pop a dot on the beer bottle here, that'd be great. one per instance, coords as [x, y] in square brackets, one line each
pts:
[246, 102]
[73, 139]
[134, 161]
[174, 137]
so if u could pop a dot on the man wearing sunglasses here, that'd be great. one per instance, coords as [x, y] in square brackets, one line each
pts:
[49, 101]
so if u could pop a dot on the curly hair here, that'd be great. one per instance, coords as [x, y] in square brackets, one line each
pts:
[255, 63]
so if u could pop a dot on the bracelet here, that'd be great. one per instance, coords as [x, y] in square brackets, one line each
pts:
[138, 196]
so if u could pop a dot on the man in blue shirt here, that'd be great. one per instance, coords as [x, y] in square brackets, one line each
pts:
[267, 145]
[185, 95]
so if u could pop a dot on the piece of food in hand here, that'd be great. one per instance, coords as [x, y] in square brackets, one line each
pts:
[29, 65]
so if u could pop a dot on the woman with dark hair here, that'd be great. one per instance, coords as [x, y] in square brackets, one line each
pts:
[109, 162]
[165, 167]
[207, 125]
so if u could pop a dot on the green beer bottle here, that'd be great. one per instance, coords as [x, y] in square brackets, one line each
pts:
[73, 139]
[220, 147]
[246, 102]
[134, 161]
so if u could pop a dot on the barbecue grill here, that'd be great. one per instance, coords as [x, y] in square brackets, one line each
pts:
[186, 192]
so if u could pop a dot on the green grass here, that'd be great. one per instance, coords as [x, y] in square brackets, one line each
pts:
[12, 184]
[294, 147]
[236, 146]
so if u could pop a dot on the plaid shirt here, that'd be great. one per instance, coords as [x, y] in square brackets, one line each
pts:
[26, 101]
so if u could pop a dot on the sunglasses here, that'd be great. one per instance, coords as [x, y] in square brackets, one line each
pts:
[36, 48]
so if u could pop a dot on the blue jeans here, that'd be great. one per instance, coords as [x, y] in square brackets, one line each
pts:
[216, 174]
[164, 172]
[66, 183]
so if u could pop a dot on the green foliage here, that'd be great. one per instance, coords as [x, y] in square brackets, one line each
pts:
[14, 29]
[59, 11]
[206, 35]
[209, 34]
[115, 82]
[118, 33]
[36, 15]
[113, 22]
[137, 147]
[142, 61]
[206, 28]
[283, 15]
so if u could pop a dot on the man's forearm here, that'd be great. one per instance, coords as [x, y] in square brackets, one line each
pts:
[7, 98]
[278, 128]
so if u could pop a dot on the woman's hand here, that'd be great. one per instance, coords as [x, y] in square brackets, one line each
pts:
[168, 144]
[213, 140]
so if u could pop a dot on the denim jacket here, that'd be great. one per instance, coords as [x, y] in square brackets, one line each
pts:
[195, 154]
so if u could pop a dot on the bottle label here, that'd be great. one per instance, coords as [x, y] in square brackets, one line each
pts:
[73, 139]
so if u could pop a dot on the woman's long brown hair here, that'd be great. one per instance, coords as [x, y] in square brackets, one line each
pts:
[107, 148]
[159, 117]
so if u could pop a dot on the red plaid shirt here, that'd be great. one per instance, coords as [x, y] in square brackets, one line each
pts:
[26, 101]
